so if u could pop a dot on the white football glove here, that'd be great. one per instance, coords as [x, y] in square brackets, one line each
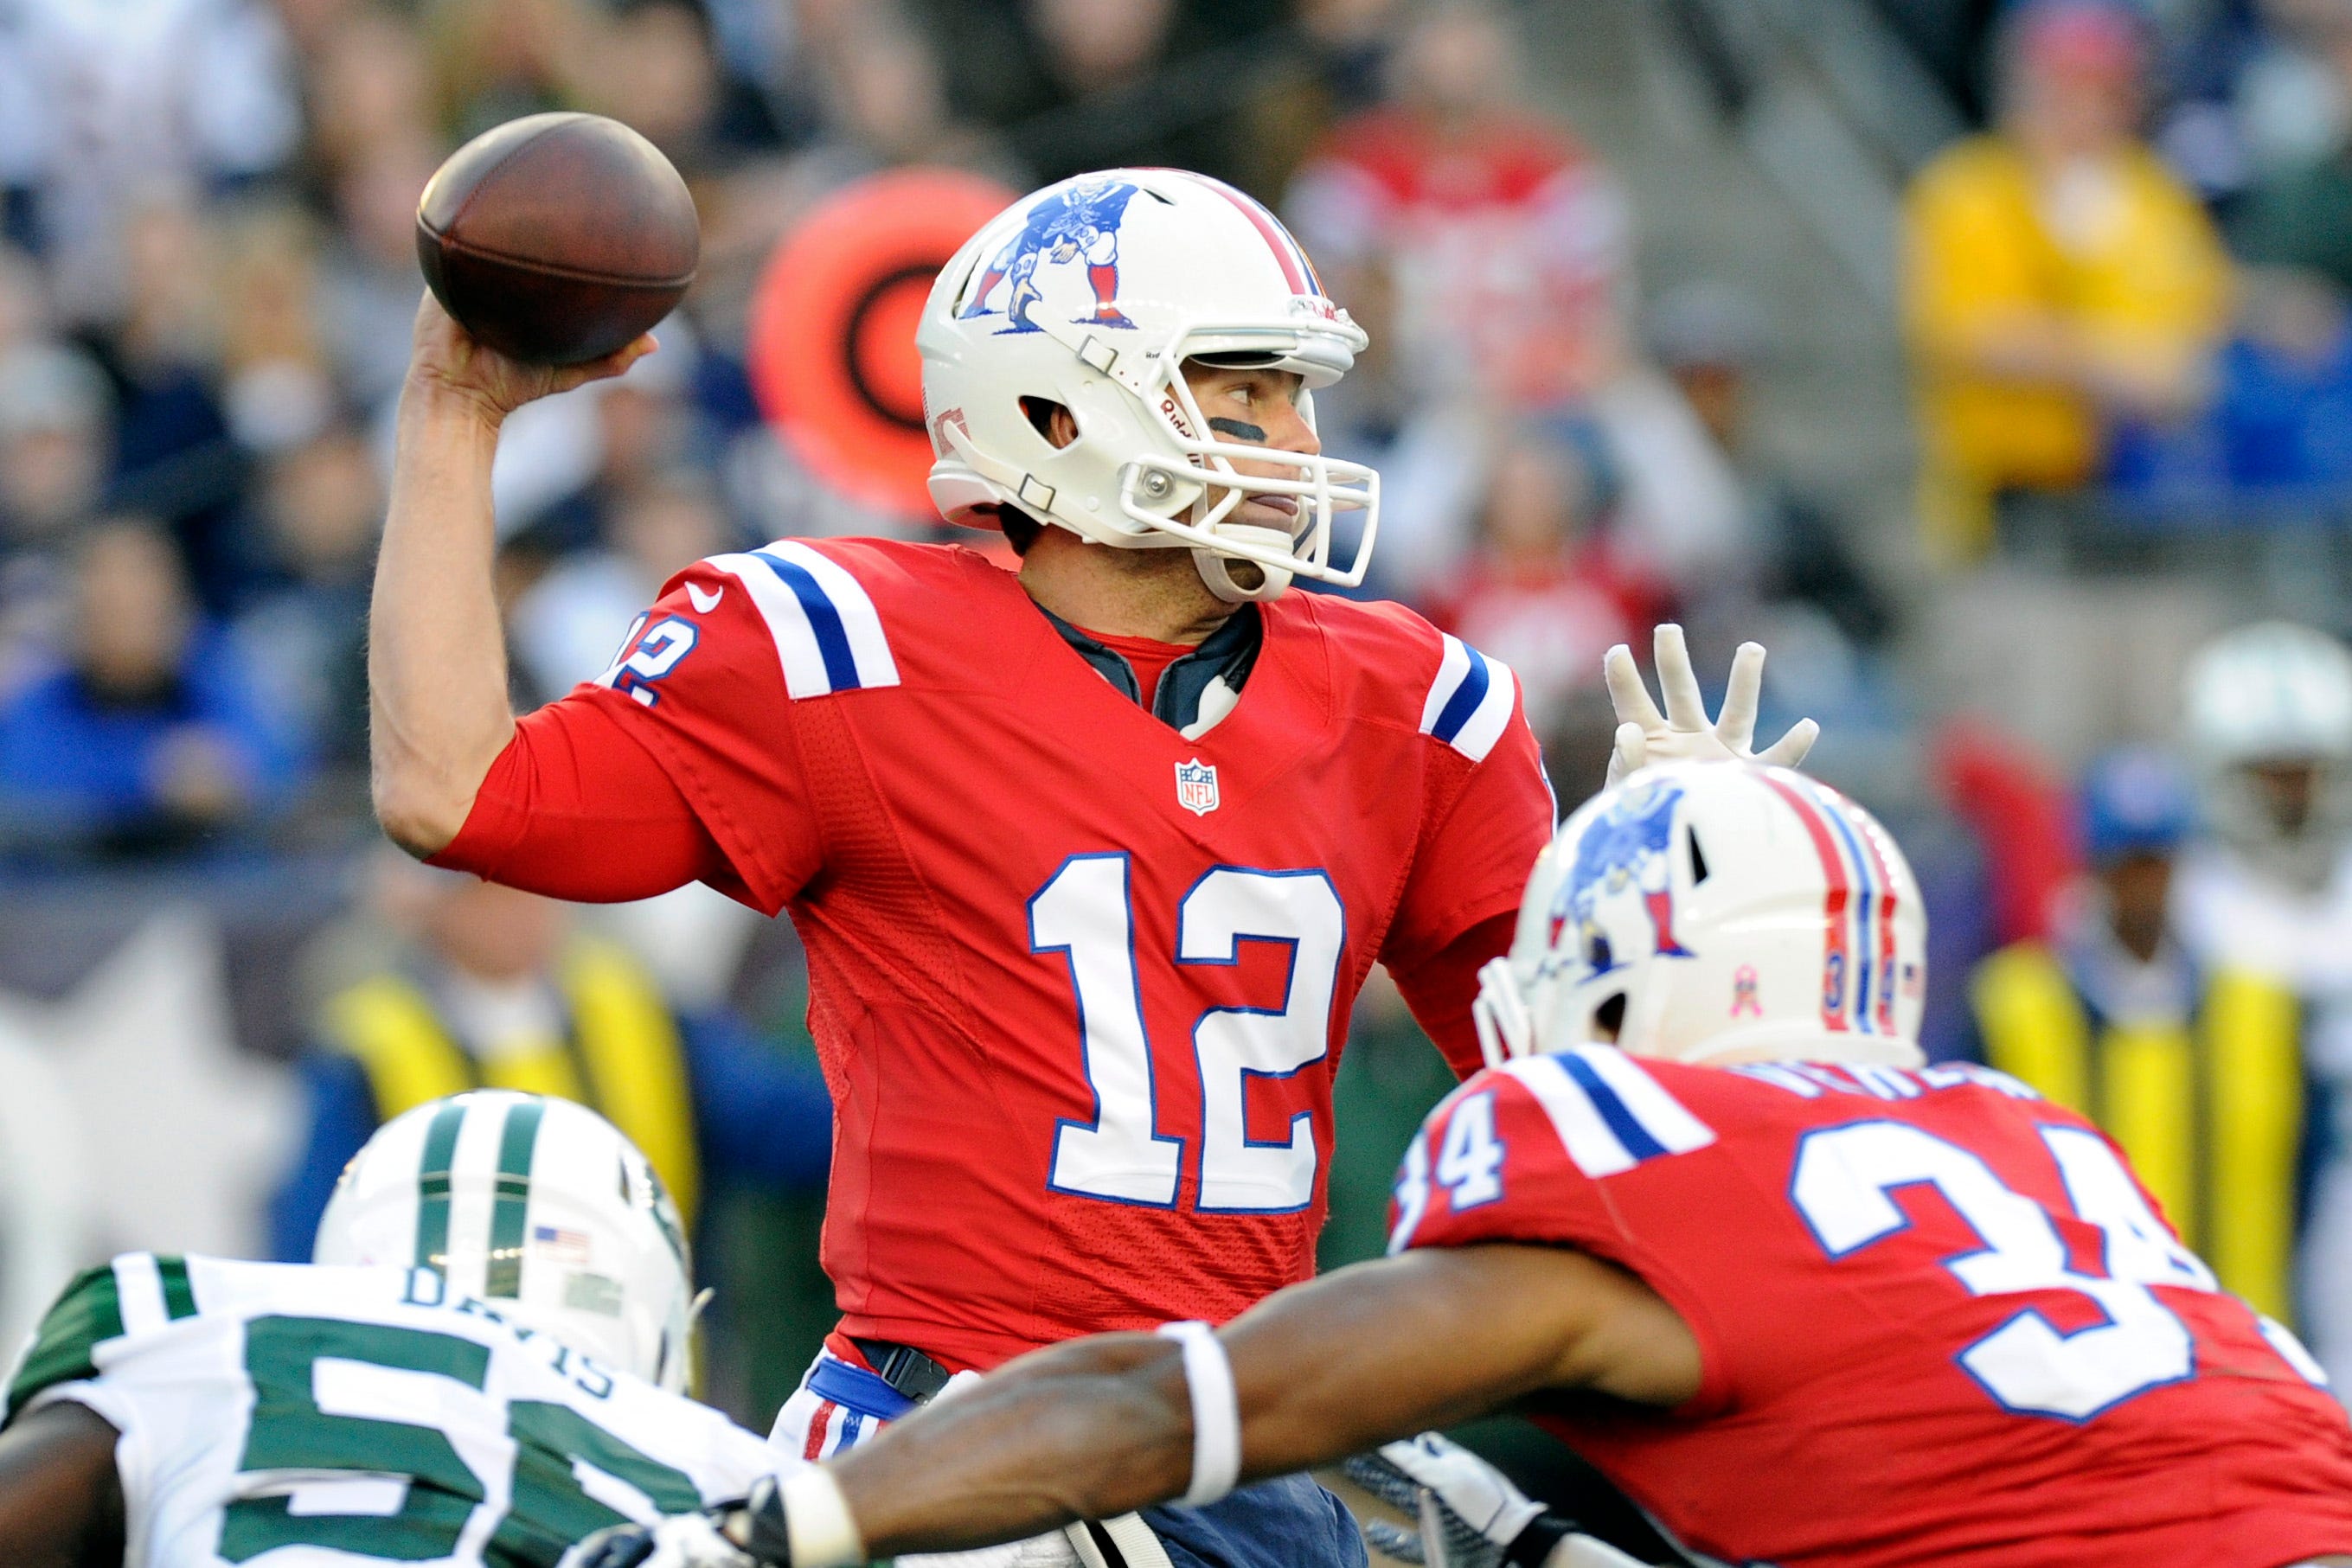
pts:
[1471, 1515]
[682, 1541]
[1682, 733]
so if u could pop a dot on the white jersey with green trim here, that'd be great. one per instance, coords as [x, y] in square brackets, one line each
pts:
[298, 1416]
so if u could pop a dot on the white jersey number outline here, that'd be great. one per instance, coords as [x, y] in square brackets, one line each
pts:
[1085, 913]
[1842, 1185]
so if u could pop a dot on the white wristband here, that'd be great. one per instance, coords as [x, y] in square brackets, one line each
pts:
[1216, 1414]
[817, 1521]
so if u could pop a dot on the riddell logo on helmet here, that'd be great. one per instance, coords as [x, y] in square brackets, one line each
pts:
[1173, 411]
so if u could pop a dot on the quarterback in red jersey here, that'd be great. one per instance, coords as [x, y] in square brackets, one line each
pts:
[1805, 1299]
[1090, 861]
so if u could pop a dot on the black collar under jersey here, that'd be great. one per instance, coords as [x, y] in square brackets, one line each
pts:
[1223, 658]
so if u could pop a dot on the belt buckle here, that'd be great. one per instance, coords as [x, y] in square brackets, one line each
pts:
[904, 1368]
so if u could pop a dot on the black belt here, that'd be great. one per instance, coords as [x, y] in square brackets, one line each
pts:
[904, 1368]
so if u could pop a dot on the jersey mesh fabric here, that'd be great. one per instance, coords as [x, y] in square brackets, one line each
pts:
[1848, 1369]
[910, 822]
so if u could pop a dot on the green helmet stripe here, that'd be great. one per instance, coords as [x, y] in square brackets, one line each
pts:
[514, 1201]
[433, 1185]
[178, 1296]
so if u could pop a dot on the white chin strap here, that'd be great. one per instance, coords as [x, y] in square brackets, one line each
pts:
[1217, 569]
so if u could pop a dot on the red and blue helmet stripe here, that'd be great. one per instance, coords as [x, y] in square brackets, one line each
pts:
[1858, 909]
[1297, 270]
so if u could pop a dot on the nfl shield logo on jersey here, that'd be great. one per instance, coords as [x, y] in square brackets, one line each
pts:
[1196, 786]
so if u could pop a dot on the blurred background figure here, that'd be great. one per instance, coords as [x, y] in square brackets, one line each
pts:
[2056, 275]
[487, 987]
[2193, 1068]
[1540, 590]
[2268, 721]
[101, 108]
[308, 543]
[147, 733]
[563, 621]
[1490, 255]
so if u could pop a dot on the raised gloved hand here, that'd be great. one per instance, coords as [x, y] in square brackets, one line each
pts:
[684, 1540]
[1471, 1515]
[1683, 733]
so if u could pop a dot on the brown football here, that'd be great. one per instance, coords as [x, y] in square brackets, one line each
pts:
[557, 238]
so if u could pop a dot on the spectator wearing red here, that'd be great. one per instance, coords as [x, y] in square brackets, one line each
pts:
[1540, 590]
[1492, 254]
[1504, 244]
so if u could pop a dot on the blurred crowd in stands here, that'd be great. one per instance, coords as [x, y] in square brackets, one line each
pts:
[208, 281]
[2134, 282]
[2128, 288]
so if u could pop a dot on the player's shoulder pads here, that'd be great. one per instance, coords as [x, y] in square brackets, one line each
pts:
[1470, 699]
[829, 636]
[137, 1292]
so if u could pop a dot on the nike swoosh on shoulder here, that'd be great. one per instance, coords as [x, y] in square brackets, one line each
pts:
[705, 602]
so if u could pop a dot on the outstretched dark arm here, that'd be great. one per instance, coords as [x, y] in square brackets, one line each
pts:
[1099, 1426]
[61, 1499]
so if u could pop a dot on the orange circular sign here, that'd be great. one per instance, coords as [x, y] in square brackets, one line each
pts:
[832, 331]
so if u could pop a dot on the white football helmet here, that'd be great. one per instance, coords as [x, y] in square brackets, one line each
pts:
[537, 1207]
[1713, 911]
[1092, 294]
[2270, 694]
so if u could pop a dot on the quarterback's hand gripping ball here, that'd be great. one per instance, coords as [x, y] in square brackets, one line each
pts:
[1683, 733]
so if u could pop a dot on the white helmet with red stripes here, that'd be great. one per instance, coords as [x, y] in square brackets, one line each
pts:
[1714, 912]
[1092, 294]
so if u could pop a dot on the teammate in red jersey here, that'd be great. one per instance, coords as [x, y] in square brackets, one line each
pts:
[1805, 1299]
[1091, 860]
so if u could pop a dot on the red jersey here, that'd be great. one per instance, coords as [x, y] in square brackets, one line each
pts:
[1078, 983]
[1940, 1319]
[1503, 236]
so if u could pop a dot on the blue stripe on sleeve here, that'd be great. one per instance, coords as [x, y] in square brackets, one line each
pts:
[1466, 698]
[1622, 1121]
[825, 621]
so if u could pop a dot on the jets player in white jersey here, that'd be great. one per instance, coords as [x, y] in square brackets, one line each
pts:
[2267, 718]
[485, 1368]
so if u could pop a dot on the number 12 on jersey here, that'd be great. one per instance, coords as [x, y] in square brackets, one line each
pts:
[1085, 913]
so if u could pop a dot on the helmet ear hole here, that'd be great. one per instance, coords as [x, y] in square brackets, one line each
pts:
[1040, 411]
[1697, 857]
[1609, 1018]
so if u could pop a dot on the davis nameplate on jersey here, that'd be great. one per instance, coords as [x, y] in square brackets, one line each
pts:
[1196, 786]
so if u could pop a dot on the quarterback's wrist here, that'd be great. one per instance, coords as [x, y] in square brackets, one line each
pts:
[1533, 1546]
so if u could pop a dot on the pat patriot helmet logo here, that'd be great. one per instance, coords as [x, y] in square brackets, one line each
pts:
[1619, 895]
[1075, 223]
[1196, 786]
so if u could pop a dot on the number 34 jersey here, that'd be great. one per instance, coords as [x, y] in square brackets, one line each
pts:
[1079, 981]
[1940, 1320]
[346, 1416]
